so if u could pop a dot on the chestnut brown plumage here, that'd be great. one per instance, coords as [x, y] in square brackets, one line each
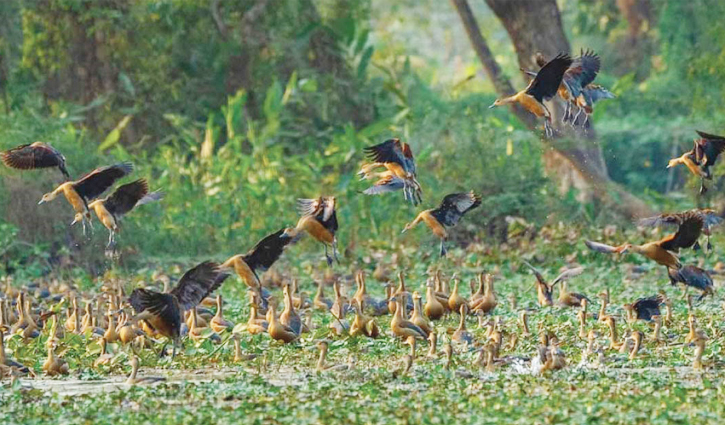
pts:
[33, 156]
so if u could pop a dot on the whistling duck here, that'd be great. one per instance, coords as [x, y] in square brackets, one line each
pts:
[699, 341]
[580, 74]
[417, 316]
[693, 276]
[448, 351]
[54, 365]
[543, 87]
[289, 316]
[455, 300]
[432, 342]
[447, 214]
[582, 316]
[614, 342]
[80, 192]
[133, 380]
[339, 325]
[590, 95]
[645, 308]
[126, 332]
[218, 322]
[523, 319]
[402, 327]
[319, 220]
[124, 199]
[104, 358]
[657, 251]
[487, 303]
[5, 361]
[164, 311]
[461, 335]
[555, 359]
[111, 335]
[277, 330]
[476, 291]
[35, 155]
[569, 299]
[260, 258]
[690, 225]
[692, 326]
[255, 325]
[320, 302]
[397, 158]
[544, 290]
[25, 324]
[637, 338]
[322, 365]
[703, 156]
[377, 307]
[362, 324]
[433, 308]
[299, 298]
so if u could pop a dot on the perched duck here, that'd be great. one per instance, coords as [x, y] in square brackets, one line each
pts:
[702, 156]
[400, 326]
[277, 330]
[163, 312]
[218, 323]
[80, 192]
[447, 214]
[417, 316]
[397, 158]
[543, 87]
[35, 155]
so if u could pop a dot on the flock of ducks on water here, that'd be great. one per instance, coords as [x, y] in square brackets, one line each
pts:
[147, 316]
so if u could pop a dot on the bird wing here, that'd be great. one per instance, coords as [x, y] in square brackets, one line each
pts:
[322, 209]
[693, 276]
[267, 251]
[454, 206]
[126, 197]
[711, 147]
[154, 196]
[595, 93]
[548, 79]
[689, 230]
[601, 248]
[197, 283]
[538, 275]
[567, 274]
[387, 184]
[99, 180]
[158, 304]
[32, 156]
[392, 150]
[583, 70]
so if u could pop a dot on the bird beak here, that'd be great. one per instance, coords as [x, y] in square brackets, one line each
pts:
[405, 229]
[41, 201]
[493, 105]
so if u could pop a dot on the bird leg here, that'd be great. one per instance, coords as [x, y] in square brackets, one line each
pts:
[327, 257]
[334, 250]
[587, 124]
[576, 117]
[709, 245]
[567, 112]
[443, 248]
[548, 132]
[703, 189]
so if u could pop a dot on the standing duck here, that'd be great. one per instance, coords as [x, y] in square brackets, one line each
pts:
[448, 213]
[487, 303]
[433, 308]
[218, 323]
[400, 326]
[80, 192]
[163, 312]
[35, 155]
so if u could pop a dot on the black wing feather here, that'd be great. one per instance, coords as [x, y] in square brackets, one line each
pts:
[126, 197]
[158, 304]
[548, 79]
[93, 184]
[35, 155]
[267, 251]
[197, 284]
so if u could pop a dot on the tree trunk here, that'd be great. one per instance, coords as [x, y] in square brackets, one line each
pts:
[535, 27]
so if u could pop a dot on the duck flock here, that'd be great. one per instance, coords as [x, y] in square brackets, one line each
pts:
[147, 319]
